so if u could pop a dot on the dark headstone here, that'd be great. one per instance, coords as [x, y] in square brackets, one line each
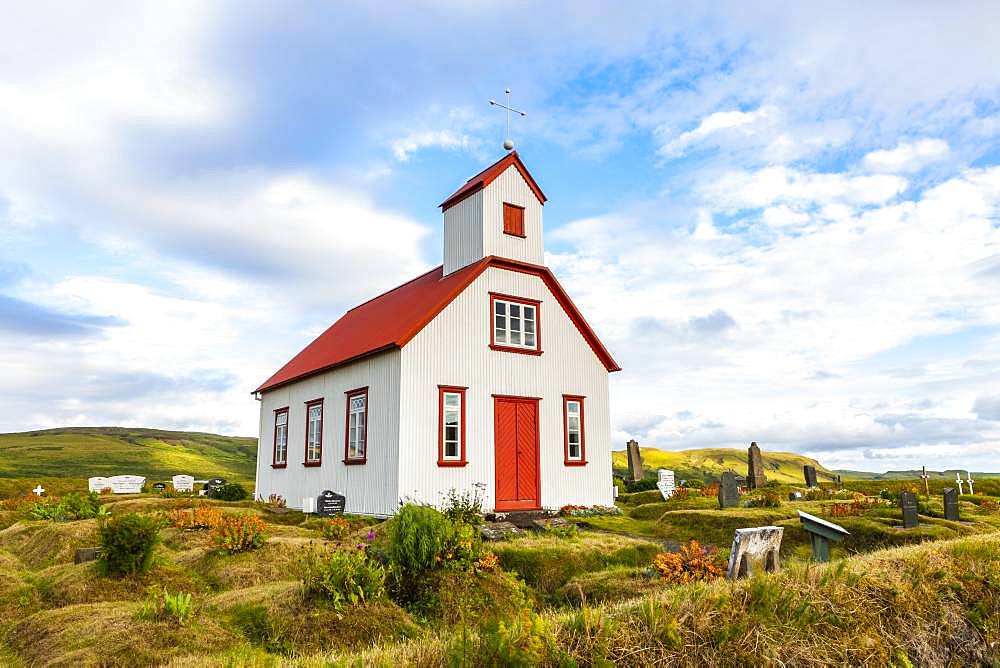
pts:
[160, 486]
[908, 500]
[729, 491]
[755, 467]
[213, 483]
[635, 472]
[85, 554]
[951, 504]
[809, 473]
[821, 532]
[330, 503]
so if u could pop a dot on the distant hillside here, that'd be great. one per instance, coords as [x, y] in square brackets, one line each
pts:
[82, 452]
[713, 462]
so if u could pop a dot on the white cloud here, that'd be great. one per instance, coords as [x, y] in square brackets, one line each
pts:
[719, 122]
[404, 147]
[907, 156]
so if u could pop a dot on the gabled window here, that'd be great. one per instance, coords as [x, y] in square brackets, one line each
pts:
[314, 433]
[279, 458]
[515, 324]
[513, 220]
[574, 445]
[451, 426]
[356, 436]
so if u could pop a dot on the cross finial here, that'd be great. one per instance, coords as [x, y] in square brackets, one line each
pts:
[508, 143]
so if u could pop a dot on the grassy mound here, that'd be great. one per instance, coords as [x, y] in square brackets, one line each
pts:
[608, 586]
[41, 544]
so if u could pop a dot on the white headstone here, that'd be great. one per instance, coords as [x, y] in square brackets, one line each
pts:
[309, 504]
[39, 490]
[126, 484]
[665, 483]
[762, 543]
[97, 483]
[183, 483]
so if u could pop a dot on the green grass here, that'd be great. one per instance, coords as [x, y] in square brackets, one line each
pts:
[711, 463]
[80, 453]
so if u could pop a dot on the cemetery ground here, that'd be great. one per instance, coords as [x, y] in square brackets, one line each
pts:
[594, 589]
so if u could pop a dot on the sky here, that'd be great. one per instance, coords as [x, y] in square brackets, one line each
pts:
[783, 219]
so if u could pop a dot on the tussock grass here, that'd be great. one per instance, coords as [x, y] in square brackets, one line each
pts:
[614, 584]
[40, 544]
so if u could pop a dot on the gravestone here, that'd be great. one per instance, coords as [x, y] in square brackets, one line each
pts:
[183, 483]
[951, 504]
[159, 486]
[821, 533]
[330, 503]
[809, 472]
[97, 483]
[212, 483]
[756, 544]
[908, 500]
[126, 484]
[635, 472]
[970, 481]
[729, 491]
[85, 554]
[665, 483]
[39, 490]
[755, 467]
[309, 504]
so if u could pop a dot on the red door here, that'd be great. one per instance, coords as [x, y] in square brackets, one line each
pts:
[516, 445]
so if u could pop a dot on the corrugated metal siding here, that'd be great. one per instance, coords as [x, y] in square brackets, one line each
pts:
[511, 188]
[370, 488]
[454, 350]
[463, 233]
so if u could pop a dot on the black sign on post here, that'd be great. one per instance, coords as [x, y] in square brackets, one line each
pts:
[215, 482]
[908, 500]
[160, 486]
[330, 503]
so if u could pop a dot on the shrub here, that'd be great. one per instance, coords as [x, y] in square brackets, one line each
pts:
[465, 507]
[128, 542]
[680, 494]
[815, 494]
[18, 502]
[202, 517]
[335, 528]
[644, 485]
[232, 491]
[710, 490]
[764, 500]
[239, 533]
[73, 506]
[524, 640]
[692, 562]
[346, 577]
[694, 484]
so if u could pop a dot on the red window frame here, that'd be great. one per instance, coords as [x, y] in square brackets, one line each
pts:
[454, 389]
[582, 461]
[513, 220]
[305, 454]
[537, 350]
[350, 394]
[274, 446]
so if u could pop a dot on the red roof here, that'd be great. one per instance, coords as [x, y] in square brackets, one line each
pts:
[486, 177]
[392, 319]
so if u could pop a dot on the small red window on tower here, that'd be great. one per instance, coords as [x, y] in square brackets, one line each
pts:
[513, 220]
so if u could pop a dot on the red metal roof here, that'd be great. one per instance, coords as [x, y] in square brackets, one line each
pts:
[485, 177]
[392, 319]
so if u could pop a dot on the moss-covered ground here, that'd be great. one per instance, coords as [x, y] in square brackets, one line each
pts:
[924, 596]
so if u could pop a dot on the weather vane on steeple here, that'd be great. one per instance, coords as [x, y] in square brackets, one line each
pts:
[508, 143]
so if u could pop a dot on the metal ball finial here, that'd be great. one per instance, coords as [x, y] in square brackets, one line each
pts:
[508, 144]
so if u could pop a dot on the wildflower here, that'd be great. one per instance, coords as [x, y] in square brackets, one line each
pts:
[371, 535]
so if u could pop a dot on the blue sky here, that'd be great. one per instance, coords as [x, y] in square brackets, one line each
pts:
[784, 220]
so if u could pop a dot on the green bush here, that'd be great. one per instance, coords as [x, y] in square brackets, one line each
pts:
[465, 507]
[349, 577]
[694, 484]
[73, 506]
[232, 491]
[128, 542]
[763, 500]
[643, 485]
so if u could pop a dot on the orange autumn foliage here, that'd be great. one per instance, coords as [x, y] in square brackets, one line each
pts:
[692, 562]
[202, 517]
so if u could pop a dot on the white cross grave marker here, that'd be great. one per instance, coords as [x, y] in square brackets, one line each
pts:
[39, 490]
[958, 479]
[970, 481]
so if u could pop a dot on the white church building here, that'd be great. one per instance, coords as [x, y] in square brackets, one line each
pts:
[479, 375]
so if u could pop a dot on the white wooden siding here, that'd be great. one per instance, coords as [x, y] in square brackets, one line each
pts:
[454, 350]
[370, 488]
[463, 233]
[510, 187]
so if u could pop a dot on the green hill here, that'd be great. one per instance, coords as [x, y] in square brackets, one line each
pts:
[946, 476]
[82, 452]
[704, 463]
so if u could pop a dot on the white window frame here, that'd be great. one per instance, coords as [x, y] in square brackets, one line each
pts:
[281, 443]
[503, 324]
[314, 432]
[357, 426]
